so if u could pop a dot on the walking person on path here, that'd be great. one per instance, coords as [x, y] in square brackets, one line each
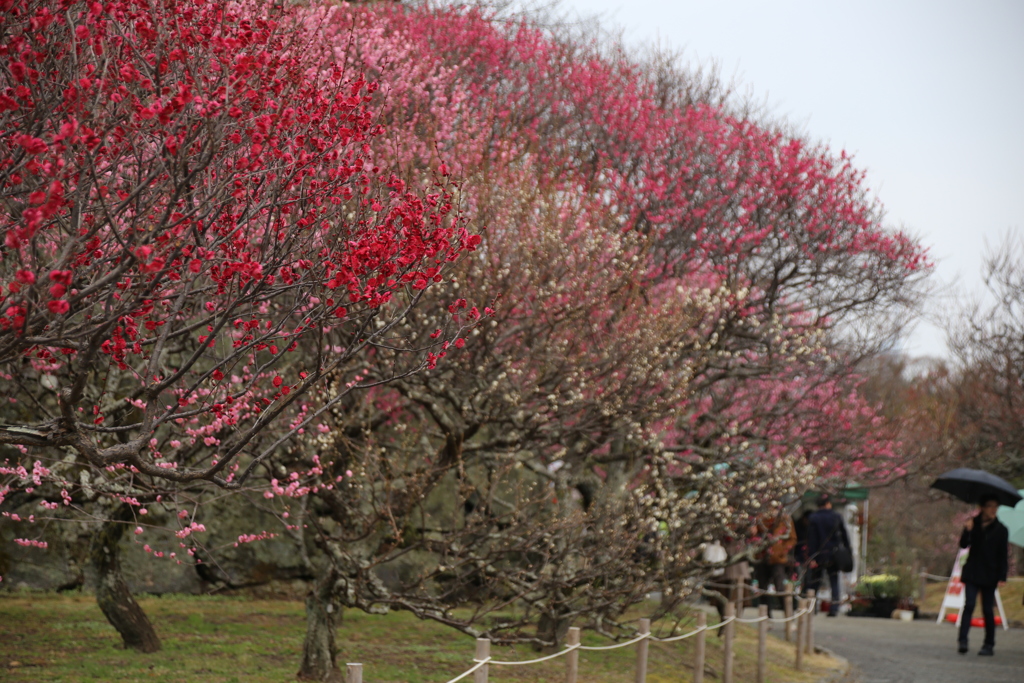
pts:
[984, 571]
[826, 533]
[771, 569]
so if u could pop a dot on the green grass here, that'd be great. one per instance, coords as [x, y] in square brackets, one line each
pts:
[57, 638]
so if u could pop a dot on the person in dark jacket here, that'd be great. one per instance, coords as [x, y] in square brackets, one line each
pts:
[825, 533]
[984, 571]
[802, 524]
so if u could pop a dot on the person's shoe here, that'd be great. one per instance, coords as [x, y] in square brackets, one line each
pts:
[986, 651]
[831, 614]
[962, 647]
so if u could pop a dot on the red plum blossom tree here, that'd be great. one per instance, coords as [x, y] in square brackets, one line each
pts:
[196, 235]
[672, 301]
[679, 300]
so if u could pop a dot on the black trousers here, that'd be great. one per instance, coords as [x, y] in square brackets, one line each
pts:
[988, 609]
[771, 575]
[816, 576]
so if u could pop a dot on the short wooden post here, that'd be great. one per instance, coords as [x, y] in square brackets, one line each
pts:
[762, 643]
[809, 631]
[800, 606]
[641, 651]
[698, 648]
[483, 651]
[572, 660]
[730, 630]
[922, 587]
[787, 604]
[354, 673]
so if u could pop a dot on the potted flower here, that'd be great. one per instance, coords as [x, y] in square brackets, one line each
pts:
[883, 592]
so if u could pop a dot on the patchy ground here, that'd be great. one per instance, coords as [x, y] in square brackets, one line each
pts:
[62, 638]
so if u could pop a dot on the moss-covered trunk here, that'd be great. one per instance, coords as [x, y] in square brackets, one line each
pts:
[319, 652]
[112, 593]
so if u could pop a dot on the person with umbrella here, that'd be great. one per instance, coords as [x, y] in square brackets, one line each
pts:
[984, 571]
[987, 538]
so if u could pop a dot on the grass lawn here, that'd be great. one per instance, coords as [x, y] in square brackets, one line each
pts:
[58, 638]
[1010, 594]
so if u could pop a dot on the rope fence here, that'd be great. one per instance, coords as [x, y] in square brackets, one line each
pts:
[923, 579]
[541, 659]
[803, 618]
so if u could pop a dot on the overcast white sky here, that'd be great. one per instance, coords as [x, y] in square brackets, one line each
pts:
[929, 96]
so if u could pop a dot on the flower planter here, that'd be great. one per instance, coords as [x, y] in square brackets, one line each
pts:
[883, 607]
[878, 595]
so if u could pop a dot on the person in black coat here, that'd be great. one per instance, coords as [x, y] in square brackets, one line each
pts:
[984, 570]
[802, 524]
[825, 533]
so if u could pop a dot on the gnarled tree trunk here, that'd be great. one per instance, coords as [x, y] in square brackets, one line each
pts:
[112, 593]
[319, 652]
[552, 628]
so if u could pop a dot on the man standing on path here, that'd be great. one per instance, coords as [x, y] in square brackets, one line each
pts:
[826, 533]
[984, 570]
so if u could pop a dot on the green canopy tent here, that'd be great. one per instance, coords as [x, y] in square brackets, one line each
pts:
[850, 493]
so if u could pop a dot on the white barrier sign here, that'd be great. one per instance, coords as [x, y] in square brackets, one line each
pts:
[954, 598]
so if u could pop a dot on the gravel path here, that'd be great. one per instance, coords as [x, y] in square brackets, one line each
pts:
[891, 651]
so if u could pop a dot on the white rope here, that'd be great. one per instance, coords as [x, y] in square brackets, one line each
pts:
[660, 640]
[795, 615]
[535, 661]
[479, 663]
[642, 636]
[685, 635]
[617, 645]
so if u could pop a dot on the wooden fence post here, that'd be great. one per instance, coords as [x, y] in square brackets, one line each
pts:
[730, 630]
[641, 651]
[483, 651]
[698, 648]
[800, 605]
[810, 620]
[788, 607]
[572, 660]
[922, 586]
[354, 673]
[762, 643]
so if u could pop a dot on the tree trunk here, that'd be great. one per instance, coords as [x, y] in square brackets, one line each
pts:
[552, 628]
[112, 593]
[319, 652]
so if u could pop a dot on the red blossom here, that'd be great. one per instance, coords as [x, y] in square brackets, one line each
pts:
[58, 307]
[30, 144]
[220, 214]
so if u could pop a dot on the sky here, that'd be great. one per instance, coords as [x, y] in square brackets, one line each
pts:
[928, 96]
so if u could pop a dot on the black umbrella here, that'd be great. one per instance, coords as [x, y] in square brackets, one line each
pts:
[971, 486]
